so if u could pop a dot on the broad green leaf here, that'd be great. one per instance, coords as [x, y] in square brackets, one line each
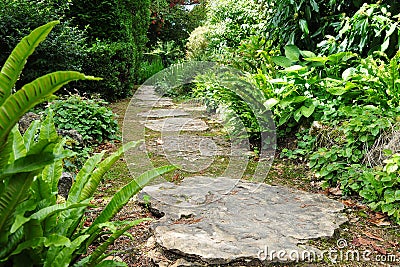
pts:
[16, 105]
[14, 64]
[292, 52]
[19, 149]
[83, 177]
[297, 115]
[284, 118]
[29, 135]
[304, 26]
[52, 240]
[63, 257]
[322, 60]
[281, 61]
[367, 194]
[296, 99]
[397, 195]
[7, 152]
[16, 190]
[95, 177]
[45, 212]
[307, 54]
[47, 129]
[336, 90]
[123, 195]
[9, 245]
[307, 111]
[271, 102]
[32, 163]
[52, 173]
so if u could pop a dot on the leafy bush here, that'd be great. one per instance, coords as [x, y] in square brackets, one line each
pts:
[90, 117]
[363, 32]
[197, 43]
[381, 189]
[114, 26]
[149, 68]
[115, 62]
[169, 52]
[65, 49]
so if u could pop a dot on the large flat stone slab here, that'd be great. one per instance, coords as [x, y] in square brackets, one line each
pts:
[176, 125]
[185, 144]
[221, 220]
[163, 113]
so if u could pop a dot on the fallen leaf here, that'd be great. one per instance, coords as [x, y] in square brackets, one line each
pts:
[359, 241]
[335, 191]
[372, 236]
[379, 249]
[379, 215]
[379, 222]
[348, 202]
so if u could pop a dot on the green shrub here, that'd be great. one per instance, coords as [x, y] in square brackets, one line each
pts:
[172, 23]
[170, 52]
[114, 62]
[150, 67]
[197, 43]
[90, 117]
[381, 189]
[372, 28]
[117, 38]
[65, 48]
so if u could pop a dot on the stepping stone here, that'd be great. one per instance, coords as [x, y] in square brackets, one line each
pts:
[187, 145]
[162, 103]
[176, 125]
[221, 220]
[163, 113]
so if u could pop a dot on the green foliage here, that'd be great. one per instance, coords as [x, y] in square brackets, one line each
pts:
[116, 43]
[35, 229]
[363, 32]
[115, 62]
[150, 68]
[64, 49]
[197, 43]
[227, 24]
[171, 25]
[112, 34]
[22, 158]
[90, 117]
[381, 189]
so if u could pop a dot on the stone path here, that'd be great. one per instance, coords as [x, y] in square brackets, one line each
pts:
[218, 220]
